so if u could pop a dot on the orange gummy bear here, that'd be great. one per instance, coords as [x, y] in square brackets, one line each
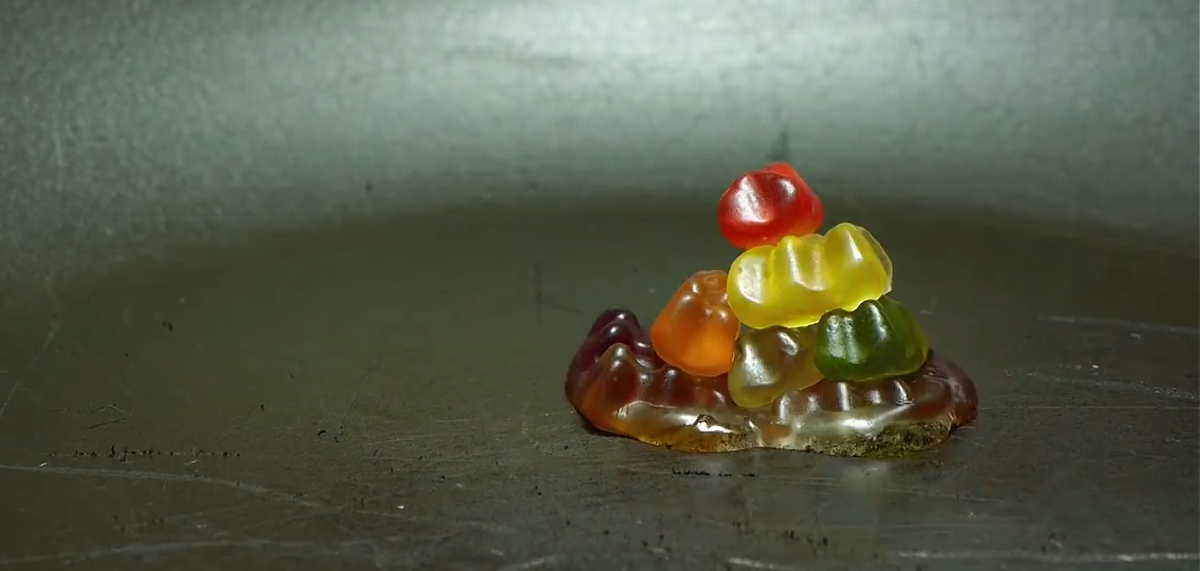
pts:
[696, 330]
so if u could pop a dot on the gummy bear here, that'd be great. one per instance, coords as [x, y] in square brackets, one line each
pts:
[877, 339]
[696, 329]
[762, 206]
[619, 385]
[616, 380]
[768, 362]
[801, 278]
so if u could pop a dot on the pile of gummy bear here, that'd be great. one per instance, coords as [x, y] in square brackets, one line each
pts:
[797, 346]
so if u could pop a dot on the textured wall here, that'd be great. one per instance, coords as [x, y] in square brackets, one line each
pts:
[132, 124]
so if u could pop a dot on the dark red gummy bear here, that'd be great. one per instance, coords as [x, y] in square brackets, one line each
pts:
[762, 206]
[616, 366]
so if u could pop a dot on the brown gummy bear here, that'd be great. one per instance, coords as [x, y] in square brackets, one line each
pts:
[696, 329]
[621, 386]
[768, 362]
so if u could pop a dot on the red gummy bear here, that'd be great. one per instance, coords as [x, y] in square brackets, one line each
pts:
[762, 206]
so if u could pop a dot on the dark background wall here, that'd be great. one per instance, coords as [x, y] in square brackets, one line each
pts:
[132, 126]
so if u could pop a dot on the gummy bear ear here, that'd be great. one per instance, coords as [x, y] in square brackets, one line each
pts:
[613, 316]
[784, 170]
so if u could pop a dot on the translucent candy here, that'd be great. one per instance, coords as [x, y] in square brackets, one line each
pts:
[769, 362]
[619, 385]
[762, 206]
[617, 381]
[696, 330]
[878, 339]
[801, 278]
[829, 364]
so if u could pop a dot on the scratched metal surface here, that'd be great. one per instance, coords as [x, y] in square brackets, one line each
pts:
[264, 387]
[389, 395]
[130, 126]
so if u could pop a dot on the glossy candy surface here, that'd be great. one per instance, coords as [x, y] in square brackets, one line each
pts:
[619, 385]
[617, 381]
[769, 362]
[762, 206]
[877, 339]
[696, 330]
[796, 281]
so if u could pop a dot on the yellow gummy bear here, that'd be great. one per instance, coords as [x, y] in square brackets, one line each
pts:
[795, 281]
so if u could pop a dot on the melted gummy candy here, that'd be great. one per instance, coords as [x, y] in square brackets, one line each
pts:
[829, 363]
[762, 206]
[796, 281]
[695, 331]
[621, 386]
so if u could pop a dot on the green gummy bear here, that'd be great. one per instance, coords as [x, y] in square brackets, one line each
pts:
[878, 339]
